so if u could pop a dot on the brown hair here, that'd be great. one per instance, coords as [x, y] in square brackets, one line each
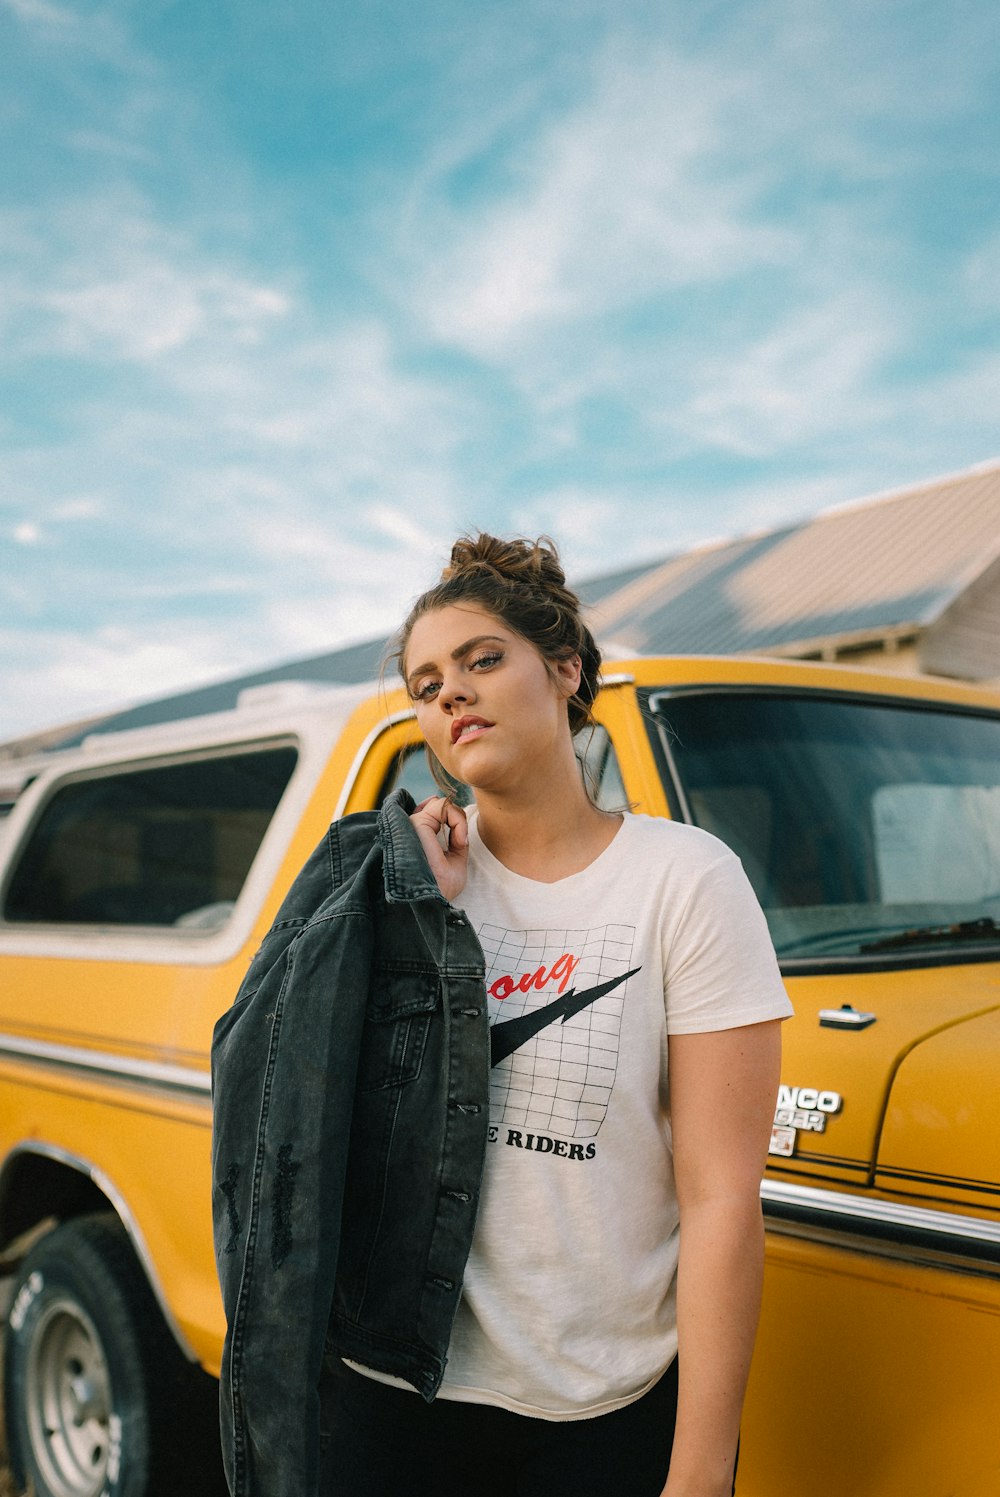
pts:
[523, 584]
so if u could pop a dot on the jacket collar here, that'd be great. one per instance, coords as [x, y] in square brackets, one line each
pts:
[405, 869]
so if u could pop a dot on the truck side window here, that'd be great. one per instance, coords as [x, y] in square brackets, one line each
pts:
[595, 754]
[166, 846]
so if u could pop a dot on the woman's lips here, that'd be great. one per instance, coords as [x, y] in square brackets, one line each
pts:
[465, 728]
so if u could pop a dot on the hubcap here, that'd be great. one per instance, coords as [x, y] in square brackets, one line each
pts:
[70, 1420]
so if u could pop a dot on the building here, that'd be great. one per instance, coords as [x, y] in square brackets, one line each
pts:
[907, 581]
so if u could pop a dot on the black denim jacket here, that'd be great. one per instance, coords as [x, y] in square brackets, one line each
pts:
[351, 1089]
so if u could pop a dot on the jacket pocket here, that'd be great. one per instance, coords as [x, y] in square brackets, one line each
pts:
[398, 1017]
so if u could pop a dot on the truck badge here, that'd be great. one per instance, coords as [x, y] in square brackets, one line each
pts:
[800, 1107]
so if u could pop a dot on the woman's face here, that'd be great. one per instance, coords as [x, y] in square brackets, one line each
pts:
[490, 707]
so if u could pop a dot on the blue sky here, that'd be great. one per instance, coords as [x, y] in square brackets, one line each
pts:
[290, 295]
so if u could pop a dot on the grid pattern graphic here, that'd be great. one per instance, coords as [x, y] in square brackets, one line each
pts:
[560, 1080]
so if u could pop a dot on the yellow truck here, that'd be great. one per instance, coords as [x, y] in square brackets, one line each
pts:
[139, 872]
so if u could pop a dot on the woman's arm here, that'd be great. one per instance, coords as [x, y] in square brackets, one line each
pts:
[723, 1087]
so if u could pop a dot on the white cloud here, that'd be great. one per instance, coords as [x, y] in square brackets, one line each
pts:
[247, 399]
[145, 306]
[101, 276]
[83, 507]
[40, 12]
[579, 519]
[623, 197]
[27, 533]
[102, 143]
[981, 273]
[301, 626]
[657, 185]
[52, 676]
[812, 374]
[572, 262]
[953, 417]
[342, 394]
[81, 33]
[402, 528]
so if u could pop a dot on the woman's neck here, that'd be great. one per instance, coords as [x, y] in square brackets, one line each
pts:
[548, 833]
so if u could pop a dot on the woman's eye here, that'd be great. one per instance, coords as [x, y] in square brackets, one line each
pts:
[426, 692]
[488, 660]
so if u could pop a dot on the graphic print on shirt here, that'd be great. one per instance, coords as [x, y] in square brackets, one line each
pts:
[556, 999]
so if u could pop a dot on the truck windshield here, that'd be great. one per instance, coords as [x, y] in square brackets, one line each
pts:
[869, 831]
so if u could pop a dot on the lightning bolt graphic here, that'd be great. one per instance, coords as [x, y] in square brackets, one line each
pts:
[510, 1035]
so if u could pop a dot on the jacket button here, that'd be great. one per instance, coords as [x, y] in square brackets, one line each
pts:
[442, 1283]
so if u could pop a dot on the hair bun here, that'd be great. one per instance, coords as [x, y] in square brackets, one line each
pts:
[518, 562]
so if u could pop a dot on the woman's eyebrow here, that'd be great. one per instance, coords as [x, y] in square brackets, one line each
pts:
[456, 654]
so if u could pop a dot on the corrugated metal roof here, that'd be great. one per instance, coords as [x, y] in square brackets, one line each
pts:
[594, 589]
[889, 562]
[895, 561]
[346, 667]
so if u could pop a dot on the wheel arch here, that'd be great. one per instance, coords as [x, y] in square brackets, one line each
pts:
[40, 1181]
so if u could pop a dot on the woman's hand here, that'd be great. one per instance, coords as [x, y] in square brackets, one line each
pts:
[448, 864]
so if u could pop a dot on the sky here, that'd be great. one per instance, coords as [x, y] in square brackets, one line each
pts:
[291, 295]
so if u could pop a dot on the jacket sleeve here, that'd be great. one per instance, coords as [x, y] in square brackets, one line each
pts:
[284, 1060]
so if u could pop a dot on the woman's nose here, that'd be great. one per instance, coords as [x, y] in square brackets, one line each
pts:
[455, 692]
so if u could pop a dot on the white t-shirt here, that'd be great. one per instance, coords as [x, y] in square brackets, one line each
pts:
[567, 1307]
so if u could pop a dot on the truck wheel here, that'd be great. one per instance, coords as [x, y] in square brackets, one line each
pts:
[98, 1398]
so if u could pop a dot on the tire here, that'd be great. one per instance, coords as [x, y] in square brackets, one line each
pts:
[99, 1401]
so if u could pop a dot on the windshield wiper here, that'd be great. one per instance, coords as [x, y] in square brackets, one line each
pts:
[983, 929]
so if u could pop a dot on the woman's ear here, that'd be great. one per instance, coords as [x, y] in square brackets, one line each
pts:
[567, 674]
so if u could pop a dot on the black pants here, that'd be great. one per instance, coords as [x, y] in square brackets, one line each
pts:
[387, 1442]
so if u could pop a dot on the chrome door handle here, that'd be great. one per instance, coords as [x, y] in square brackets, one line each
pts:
[845, 1017]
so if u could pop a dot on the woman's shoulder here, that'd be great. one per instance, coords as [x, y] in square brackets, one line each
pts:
[658, 834]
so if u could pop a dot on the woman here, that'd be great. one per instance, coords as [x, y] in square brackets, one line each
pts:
[634, 1004]
[491, 1110]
